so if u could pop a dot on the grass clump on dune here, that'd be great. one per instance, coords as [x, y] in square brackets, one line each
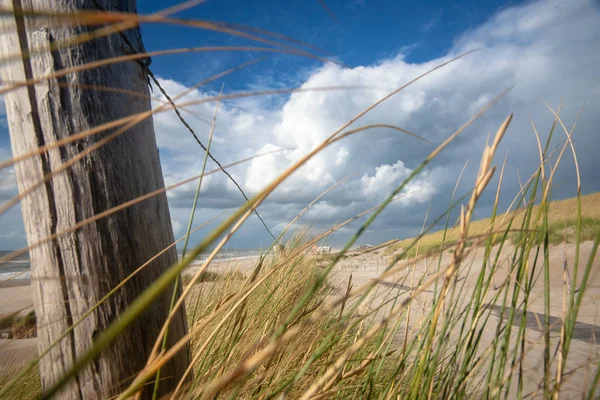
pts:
[283, 282]
[17, 326]
[565, 231]
[562, 218]
[22, 381]
[210, 276]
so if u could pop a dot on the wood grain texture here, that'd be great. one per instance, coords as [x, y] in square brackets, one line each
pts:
[73, 272]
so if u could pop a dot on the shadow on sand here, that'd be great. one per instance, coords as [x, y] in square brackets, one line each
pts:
[535, 321]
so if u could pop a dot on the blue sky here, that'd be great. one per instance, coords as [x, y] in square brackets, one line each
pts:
[546, 49]
[358, 33]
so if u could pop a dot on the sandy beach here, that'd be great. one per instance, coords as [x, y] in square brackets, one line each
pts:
[584, 354]
[15, 296]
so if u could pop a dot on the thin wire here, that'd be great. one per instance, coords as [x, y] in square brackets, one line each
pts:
[145, 64]
[189, 128]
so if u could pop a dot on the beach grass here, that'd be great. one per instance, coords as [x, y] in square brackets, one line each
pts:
[18, 326]
[20, 381]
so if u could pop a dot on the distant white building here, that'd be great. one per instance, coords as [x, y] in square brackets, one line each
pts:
[323, 249]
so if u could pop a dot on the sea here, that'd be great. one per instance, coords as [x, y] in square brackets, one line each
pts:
[230, 254]
[18, 268]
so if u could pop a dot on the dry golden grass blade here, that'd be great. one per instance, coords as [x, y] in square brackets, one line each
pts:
[123, 282]
[560, 155]
[121, 21]
[121, 207]
[132, 121]
[15, 276]
[540, 150]
[348, 288]
[375, 126]
[131, 93]
[500, 180]
[393, 93]
[483, 177]
[539, 144]
[492, 235]
[328, 10]
[123, 121]
[555, 113]
[139, 56]
[272, 34]
[102, 19]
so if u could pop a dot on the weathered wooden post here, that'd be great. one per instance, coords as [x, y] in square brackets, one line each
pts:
[71, 273]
